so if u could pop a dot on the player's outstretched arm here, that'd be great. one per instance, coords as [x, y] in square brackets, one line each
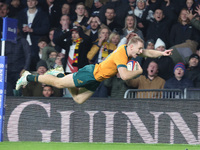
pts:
[155, 53]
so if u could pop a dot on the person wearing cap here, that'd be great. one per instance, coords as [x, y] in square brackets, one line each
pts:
[42, 42]
[35, 89]
[149, 44]
[179, 81]
[193, 70]
[165, 63]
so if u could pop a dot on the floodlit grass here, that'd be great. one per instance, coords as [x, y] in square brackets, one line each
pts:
[93, 146]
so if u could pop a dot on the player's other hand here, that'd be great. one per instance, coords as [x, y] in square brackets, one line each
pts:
[167, 52]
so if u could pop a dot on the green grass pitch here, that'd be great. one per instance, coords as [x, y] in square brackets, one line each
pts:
[92, 146]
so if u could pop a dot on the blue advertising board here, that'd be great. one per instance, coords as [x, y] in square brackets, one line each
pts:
[9, 29]
[3, 84]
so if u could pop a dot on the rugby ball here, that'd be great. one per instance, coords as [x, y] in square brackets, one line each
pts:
[131, 65]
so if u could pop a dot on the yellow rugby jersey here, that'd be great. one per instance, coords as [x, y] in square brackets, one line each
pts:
[108, 68]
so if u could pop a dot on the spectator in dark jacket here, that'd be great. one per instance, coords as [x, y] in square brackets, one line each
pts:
[193, 70]
[183, 31]
[159, 27]
[179, 81]
[18, 60]
[54, 11]
[33, 23]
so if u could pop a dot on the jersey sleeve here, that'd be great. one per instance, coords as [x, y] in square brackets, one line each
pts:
[120, 59]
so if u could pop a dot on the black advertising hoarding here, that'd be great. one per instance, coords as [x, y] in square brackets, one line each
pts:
[102, 120]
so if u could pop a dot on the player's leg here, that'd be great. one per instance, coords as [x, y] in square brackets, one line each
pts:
[64, 82]
[80, 95]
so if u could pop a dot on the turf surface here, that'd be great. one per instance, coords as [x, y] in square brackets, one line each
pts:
[93, 146]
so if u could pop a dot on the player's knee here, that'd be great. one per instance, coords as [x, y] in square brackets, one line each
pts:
[78, 100]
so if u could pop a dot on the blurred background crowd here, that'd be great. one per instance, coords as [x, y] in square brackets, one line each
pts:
[74, 33]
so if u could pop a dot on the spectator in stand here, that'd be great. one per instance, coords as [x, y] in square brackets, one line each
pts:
[76, 46]
[183, 31]
[138, 12]
[194, 19]
[33, 23]
[47, 91]
[121, 11]
[169, 10]
[114, 38]
[93, 24]
[65, 27]
[149, 81]
[66, 10]
[193, 71]
[43, 41]
[159, 27]
[15, 7]
[50, 48]
[110, 20]
[54, 11]
[24, 2]
[131, 26]
[51, 43]
[19, 57]
[179, 81]
[101, 48]
[80, 19]
[150, 44]
[95, 5]
[190, 6]
[36, 89]
[72, 4]
[165, 63]
[132, 5]
[50, 55]
[4, 10]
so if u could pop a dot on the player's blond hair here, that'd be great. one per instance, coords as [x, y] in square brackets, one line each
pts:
[135, 40]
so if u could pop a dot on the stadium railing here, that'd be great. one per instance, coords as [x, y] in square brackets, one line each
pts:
[162, 93]
[192, 93]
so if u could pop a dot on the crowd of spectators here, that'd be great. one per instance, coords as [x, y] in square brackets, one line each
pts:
[74, 33]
